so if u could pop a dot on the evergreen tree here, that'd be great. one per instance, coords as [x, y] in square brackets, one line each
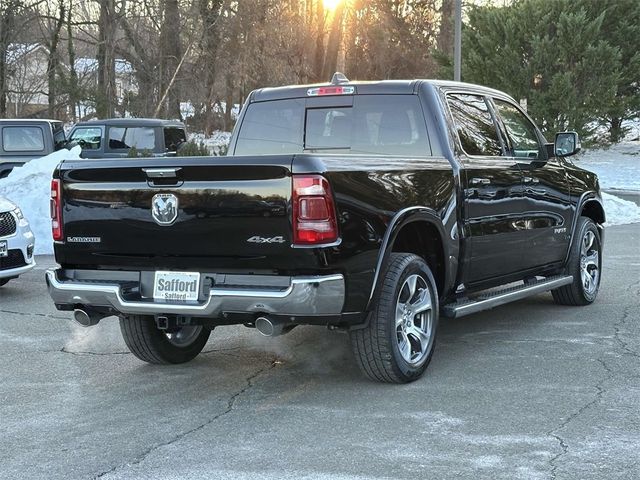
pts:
[571, 59]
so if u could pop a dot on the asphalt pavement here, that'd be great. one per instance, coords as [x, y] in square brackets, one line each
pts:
[528, 391]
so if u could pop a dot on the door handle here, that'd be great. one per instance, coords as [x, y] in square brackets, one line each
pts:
[531, 180]
[161, 172]
[479, 181]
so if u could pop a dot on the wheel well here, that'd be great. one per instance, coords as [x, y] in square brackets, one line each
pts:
[423, 239]
[594, 211]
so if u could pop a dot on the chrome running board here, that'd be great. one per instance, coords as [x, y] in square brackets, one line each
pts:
[494, 298]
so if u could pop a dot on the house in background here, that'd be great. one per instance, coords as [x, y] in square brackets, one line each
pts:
[27, 79]
[87, 71]
[28, 84]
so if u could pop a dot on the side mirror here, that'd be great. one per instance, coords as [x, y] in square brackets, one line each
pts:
[567, 143]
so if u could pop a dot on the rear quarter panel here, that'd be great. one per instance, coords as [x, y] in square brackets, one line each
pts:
[370, 192]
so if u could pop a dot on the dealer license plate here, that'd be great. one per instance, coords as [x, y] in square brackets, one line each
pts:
[176, 287]
[4, 250]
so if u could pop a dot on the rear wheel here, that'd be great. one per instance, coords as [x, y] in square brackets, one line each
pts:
[397, 344]
[153, 345]
[585, 264]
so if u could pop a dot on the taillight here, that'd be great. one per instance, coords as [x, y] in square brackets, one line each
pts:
[314, 213]
[56, 210]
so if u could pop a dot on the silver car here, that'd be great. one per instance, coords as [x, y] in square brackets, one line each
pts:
[16, 242]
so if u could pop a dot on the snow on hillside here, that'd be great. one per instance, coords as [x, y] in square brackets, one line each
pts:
[29, 187]
[617, 166]
[618, 170]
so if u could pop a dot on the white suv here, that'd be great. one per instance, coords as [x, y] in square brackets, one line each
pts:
[16, 242]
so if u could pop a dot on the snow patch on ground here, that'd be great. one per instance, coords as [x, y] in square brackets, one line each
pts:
[617, 166]
[29, 187]
[619, 211]
[618, 169]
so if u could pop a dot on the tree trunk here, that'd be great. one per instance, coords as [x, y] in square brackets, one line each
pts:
[445, 36]
[6, 25]
[333, 45]
[210, 12]
[106, 94]
[171, 55]
[318, 61]
[616, 131]
[228, 121]
[73, 75]
[53, 63]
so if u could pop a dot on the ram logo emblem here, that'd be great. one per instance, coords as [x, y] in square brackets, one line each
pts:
[164, 208]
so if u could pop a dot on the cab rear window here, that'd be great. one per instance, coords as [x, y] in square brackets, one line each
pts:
[374, 125]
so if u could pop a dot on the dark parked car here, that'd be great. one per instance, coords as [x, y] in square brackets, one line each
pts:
[390, 204]
[114, 137]
[22, 140]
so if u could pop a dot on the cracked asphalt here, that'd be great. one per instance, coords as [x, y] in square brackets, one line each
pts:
[530, 390]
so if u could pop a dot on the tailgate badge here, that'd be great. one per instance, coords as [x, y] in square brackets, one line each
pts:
[258, 239]
[164, 208]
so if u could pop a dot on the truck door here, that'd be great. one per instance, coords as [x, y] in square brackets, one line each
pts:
[547, 218]
[492, 190]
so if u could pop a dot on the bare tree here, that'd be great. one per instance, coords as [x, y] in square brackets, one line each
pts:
[334, 43]
[73, 84]
[10, 11]
[106, 96]
[170, 49]
[51, 24]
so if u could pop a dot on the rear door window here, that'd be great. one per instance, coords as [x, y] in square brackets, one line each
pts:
[89, 138]
[123, 138]
[474, 125]
[23, 139]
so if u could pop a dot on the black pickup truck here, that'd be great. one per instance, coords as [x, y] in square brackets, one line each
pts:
[371, 207]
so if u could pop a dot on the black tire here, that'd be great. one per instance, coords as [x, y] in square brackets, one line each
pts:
[377, 347]
[4, 281]
[582, 291]
[152, 345]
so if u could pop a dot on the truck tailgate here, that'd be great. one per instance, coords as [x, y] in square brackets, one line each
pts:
[121, 212]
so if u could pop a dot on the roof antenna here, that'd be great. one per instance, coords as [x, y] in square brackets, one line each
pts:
[339, 78]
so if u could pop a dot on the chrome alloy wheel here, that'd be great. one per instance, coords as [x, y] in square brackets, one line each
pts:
[184, 336]
[589, 263]
[414, 319]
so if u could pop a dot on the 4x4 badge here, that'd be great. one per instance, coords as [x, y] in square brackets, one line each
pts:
[164, 208]
[257, 239]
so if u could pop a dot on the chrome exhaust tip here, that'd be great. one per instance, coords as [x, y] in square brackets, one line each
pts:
[267, 328]
[84, 318]
[270, 328]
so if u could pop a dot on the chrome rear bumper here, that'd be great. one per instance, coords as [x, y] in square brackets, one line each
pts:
[313, 295]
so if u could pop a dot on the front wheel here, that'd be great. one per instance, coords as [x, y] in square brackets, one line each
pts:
[585, 264]
[152, 345]
[398, 342]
